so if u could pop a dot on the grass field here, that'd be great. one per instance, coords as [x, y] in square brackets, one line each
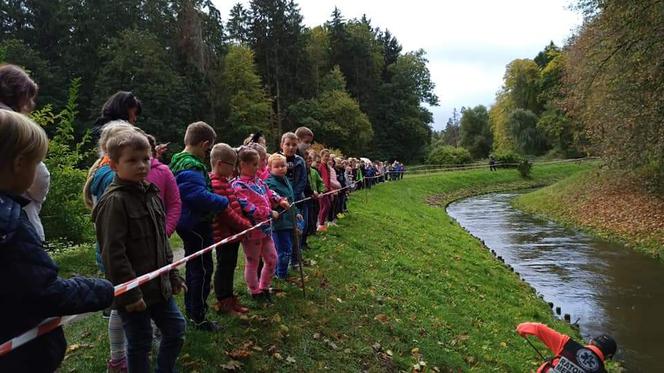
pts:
[397, 286]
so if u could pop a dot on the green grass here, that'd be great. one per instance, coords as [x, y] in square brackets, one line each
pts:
[396, 283]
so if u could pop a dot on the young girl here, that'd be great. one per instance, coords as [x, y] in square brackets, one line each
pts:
[30, 288]
[161, 176]
[258, 243]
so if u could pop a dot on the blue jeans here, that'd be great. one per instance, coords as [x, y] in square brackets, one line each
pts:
[199, 271]
[283, 244]
[138, 331]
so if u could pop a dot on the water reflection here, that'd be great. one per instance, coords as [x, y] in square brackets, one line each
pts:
[607, 287]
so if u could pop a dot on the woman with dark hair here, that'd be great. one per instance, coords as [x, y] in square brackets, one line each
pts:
[121, 105]
[17, 93]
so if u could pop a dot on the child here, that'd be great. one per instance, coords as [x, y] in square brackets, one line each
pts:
[100, 176]
[130, 224]
[282, 228]
[30, 288]
[230, 221]
[324, 201]
[317, 187]
[199, 205]
[161, 176]
[297, 176]
[304, 139]
[258, 243]
[259, 140]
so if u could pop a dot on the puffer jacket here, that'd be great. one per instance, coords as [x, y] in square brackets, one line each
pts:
[282, 186]
[231, 220]
[199, 204]
[131, 233]
[31, 291]
[260, 200]
[161, 176]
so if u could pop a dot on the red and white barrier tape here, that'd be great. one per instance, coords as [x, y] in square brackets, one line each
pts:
[52, 323]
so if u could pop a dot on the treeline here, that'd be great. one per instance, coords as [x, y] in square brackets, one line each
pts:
[259, 69]
[602, 94]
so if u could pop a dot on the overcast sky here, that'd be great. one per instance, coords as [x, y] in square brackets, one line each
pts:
[468, 42]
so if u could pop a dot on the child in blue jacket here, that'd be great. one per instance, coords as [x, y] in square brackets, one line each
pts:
[199, 206]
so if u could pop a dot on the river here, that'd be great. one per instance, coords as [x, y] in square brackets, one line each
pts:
[607, 287]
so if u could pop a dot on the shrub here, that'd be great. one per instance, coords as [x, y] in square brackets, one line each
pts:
[524, 168]
[447, 154]
[508, 158]
[64, 214]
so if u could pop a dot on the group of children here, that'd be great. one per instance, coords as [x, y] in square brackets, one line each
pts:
[209, 192]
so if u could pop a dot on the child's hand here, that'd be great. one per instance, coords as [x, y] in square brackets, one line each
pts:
[299, 217]
[315, 195]
[275, 215]
[137, 306]
[178, 285]
[284, 204]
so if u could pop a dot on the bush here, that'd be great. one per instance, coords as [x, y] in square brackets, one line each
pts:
[508, 157]
[64, 215]
[451, 155]
[524, 168]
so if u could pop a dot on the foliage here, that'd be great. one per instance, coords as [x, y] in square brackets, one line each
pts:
[507, 157]
[524, 168]
[613, 81]
[522, 126]
[64, 214]
[522, 84]
[475, 132]
[248, 107]
[451, 155]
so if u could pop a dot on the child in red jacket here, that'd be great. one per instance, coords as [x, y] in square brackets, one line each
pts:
[227, 223]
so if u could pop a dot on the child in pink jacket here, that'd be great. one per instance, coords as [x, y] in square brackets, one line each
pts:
[161, 176]
[257, 244]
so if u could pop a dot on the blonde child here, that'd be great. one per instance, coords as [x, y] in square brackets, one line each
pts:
[30, 287]
[258, 243]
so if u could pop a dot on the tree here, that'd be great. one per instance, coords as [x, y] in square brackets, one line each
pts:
[246, 108]
[475, 132]
[136, 61]
[614, 80]
[238, 25]
[451, 135]
[523, 129]
[522, 84]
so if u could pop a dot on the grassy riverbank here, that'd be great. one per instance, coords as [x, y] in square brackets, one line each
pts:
[606, 203]
[397, 283]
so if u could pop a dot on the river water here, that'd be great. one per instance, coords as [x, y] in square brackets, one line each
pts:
[609, 288]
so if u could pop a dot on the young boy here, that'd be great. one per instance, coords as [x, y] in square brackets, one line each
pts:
[282, 228]
[296, 174]
[131, 231]
[199, 205]
[304, 138]
[30, 288]
[223, 159]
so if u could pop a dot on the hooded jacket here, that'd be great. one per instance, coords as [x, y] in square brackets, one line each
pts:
[199, 204]
[31, 290]
[161, 176]
[282, 186]
[132, 237]
[231, 220]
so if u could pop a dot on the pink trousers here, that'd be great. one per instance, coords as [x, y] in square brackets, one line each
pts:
[254, 250]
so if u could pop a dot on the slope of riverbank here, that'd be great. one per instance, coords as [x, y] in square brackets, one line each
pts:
[606, 203]
[397, 285]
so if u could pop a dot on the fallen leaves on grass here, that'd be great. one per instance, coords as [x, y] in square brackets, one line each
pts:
[232, 365]
[383, 318]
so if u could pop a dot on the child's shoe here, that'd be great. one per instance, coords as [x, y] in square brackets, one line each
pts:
[340, 216]
[119, 366]
[237, 306]
[206, 325]
[225, 306]
[321, 228]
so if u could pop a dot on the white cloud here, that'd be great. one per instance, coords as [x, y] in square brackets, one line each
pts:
[468, 42]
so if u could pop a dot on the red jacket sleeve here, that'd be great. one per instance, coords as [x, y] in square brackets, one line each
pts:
[552, 339]
[235, 219]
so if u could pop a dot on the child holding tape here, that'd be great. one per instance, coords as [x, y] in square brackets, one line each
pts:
[30, 288]
[130, 225]
[258, 243]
